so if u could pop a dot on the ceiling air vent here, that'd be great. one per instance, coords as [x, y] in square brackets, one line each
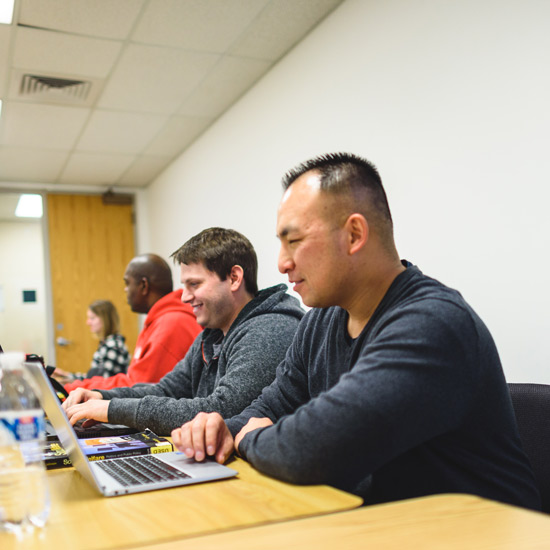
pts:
[61, 88]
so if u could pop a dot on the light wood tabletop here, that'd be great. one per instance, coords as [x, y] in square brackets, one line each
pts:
[83, 520]
[450, 522]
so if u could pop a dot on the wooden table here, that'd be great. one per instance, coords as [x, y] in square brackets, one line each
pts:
[83, 520]
[450, 522]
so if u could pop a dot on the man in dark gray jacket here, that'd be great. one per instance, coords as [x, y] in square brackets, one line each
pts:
[246, 334]
[392, 387]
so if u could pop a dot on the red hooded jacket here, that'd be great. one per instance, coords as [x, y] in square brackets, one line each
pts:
[168, 331]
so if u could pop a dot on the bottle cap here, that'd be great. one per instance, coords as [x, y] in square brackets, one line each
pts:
[11, 359]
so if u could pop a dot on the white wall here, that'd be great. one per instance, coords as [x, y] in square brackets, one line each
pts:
[450, 100]
[22, 325]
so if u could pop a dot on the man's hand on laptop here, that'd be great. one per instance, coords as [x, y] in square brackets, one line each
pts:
[205, 435]
[80, 395]
[87, 404]
[94, 411]
[208, 435]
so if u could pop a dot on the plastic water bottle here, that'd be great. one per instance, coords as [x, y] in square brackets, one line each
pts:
[24, 493]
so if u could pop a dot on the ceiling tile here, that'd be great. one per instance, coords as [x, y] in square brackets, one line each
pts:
[45, 51]
[119, 132]
[227, 81]
[154, 80]
[100, 169]
[161, 71]
[41, 126]
[280, 26]
[144, 170]
[101, 18]
[179, 132]
[181, 23]
[23, 164]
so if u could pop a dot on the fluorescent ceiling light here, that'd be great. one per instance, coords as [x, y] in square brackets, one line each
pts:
[29, 206]
[6, 11]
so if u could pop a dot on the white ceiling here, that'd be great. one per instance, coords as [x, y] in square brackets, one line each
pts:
[160, 72]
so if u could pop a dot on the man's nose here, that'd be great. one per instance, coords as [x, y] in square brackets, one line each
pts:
[186, 296]
[284, 262]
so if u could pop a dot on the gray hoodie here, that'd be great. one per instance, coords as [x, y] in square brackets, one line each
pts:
[217, 374]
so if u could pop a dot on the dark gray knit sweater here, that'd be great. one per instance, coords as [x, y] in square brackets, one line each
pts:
[210, 378]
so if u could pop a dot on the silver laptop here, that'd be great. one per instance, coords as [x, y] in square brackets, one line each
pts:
[131, 474]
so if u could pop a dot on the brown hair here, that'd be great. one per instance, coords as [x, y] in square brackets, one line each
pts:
[108, 314]
[219, 250]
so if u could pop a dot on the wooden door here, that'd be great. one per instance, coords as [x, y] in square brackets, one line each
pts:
[90, 245]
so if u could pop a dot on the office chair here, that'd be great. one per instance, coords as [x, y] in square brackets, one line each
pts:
[532, 407]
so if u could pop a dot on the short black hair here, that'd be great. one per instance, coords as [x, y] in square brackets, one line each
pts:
[352, 178]
[219, 249]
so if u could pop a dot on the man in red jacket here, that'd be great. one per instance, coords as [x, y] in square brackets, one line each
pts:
[169, 328]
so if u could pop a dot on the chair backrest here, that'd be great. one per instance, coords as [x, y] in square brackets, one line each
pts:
[532, 407]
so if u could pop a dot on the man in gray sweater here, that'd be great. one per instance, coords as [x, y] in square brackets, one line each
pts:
[246, 334]
[392, 387]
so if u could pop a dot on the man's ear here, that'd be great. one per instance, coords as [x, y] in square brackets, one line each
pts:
[357, 231]
[145, 286]
[236, 276]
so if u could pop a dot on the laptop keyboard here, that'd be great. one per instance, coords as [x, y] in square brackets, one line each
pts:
[140, 470]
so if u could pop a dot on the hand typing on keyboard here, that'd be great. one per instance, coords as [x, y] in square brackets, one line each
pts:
[94, 409]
